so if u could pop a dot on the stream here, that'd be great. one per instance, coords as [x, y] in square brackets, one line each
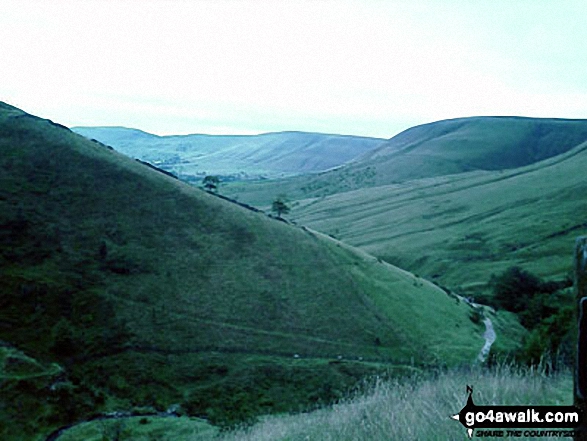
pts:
[489, 336]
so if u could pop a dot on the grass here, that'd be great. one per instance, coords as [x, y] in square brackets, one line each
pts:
[124, 289]
[149, 293]
[15, 365]
[454, 201]
[418, 407]
[458, 230]
[510, 334]
[141, 428]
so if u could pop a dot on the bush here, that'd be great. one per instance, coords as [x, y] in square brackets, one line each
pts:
[545, 309]
[513, 288]
[555, 337]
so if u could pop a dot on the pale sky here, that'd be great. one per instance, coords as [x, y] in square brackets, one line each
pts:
[369, 68]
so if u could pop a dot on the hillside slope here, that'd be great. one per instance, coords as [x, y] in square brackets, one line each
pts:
[460, 229]
[477, 143]
[436, 149]
[269, 155]
[126, 289]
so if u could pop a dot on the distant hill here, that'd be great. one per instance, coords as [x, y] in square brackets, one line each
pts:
[124, 289]
[269, 155]
[436, 149]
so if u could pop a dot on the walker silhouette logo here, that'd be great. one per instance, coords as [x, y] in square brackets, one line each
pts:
[510, 418]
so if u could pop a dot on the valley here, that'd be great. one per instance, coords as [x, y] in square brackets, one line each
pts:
[460, 229]
[235, 157]
[127, 290]
[144, 292]
[489, 202]
[293, 221]
[435, 150]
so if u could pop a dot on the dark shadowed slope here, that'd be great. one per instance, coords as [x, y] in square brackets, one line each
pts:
[124, 288]
[268, 155]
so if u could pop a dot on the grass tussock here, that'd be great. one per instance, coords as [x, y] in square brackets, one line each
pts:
[415, 409]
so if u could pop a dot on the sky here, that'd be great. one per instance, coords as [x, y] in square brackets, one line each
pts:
[370, 68]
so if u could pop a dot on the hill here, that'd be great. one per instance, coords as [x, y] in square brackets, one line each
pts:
[124, 289]
[460, 229]
[431, 150]
[478, 143]
[269, 155]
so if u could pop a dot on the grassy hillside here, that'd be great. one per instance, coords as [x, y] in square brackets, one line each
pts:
[433, 150]
[269, 155]
[460, 229]
[124, 289]
[483, 143]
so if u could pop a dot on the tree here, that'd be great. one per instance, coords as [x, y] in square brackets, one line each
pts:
[280, 207]
[211, 183]
[514, 288]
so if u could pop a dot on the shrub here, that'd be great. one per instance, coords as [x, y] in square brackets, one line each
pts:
[545, 309]
[514, 287]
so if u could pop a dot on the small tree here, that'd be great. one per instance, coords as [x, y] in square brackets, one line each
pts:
[280, 207]
[211, 183]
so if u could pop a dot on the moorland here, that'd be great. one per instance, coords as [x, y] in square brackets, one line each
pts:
[182, 313]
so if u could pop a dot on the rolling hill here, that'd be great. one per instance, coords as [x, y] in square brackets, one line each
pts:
[460, 229]
[431, 150]
[124, 289]
[268, 155]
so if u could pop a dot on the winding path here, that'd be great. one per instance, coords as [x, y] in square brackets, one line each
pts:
[489, 336]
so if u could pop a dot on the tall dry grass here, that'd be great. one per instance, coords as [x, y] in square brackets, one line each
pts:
[416, 408]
